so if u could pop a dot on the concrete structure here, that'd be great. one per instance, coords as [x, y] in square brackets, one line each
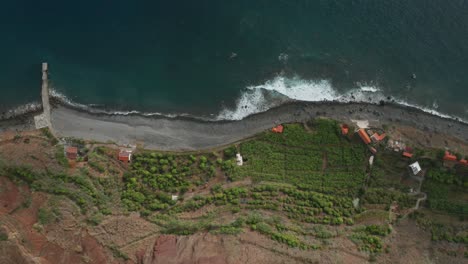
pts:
[239, 159]
[396, 146]
[278, 129]
[43, 120]
[71, 152]
[361, 123]
[415, 168]
[175, 197]
[125, 155]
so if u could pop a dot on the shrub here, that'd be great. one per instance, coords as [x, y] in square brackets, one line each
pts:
[95, 219]
[45, 216]
[253, 218]
[203, 159]
[3, 236]
[46, 132]
[229, 230]
[378, 230]
[118, 254]
[230, 152]
[21, 173]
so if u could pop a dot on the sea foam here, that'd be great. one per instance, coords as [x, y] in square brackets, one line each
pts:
[22, 110]
[279, 90]
[253, 99]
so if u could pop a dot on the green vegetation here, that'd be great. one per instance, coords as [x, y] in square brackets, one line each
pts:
[448, 177]
[60, 156]
[46, 216]
[86, 193]
[3, 236]
[310, 177]
[386, 197]
[321, 160]
[153, 177]
[118, 253]
[46, 132]
[368, 243]
[440, 231]
[447, 192]
[369, 238]
[378, 230]
[296, 186]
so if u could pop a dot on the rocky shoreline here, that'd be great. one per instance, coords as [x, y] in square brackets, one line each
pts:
[181, 133]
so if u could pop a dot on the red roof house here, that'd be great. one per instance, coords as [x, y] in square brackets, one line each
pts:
[71, 153]
[450, 157]
[344, 129]
[278, 129]
[363, 134]
[125, 155]
[408, 152]
[376, 137]
[464, 162]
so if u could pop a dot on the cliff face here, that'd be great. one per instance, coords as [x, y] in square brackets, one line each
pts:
[53, 211]
[27, 241]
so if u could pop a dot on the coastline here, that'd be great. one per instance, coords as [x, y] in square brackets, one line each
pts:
[190, 134]
[21, 122]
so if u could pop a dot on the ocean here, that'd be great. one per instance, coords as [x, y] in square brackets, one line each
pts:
[229, 59]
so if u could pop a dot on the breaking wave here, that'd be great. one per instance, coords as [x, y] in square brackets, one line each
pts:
[21, 110]
[256, 99]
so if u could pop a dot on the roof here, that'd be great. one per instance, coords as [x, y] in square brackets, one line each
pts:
[449, 156]
[278, 129]
[464, 162]
[378, 137]
[415, 168]
[344, 129]
[407, 154]
[362, 133]
[125, 153]
[71, 150]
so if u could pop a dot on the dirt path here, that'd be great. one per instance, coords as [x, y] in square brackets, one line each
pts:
[420, 200]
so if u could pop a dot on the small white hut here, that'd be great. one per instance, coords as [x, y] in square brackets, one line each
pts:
[415, 168]
[239, 159]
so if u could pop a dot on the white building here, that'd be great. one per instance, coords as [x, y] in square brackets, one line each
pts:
[239, 159]
[415, 168]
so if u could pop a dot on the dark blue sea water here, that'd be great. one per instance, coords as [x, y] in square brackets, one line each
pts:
[228, 59]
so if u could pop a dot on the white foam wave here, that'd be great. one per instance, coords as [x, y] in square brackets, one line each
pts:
[371, 89]
[92, 108]
[254, 99]
[21, 110]
[260, 98]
